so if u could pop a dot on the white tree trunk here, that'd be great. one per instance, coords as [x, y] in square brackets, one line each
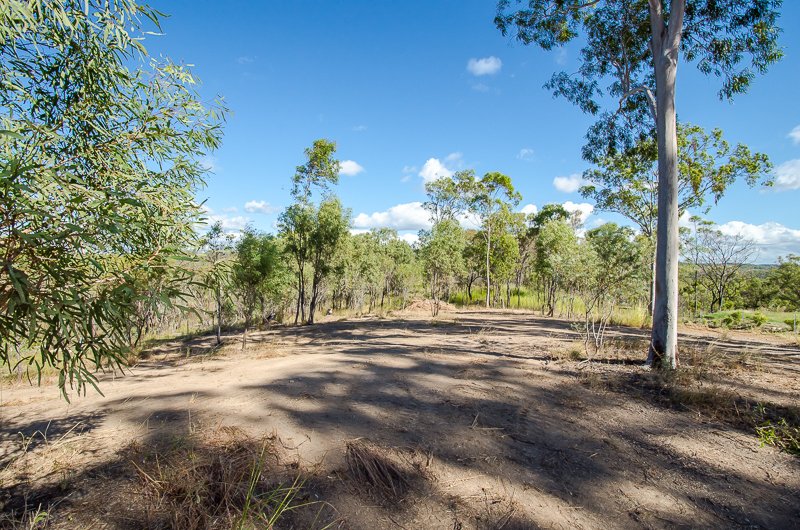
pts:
[665, 46]
[488, 251]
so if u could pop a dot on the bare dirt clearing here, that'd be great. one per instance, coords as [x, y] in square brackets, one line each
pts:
[480, 418]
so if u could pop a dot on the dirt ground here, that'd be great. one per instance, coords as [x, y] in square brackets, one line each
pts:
[493, 417]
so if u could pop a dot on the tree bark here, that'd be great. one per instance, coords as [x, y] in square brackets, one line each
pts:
[665, 46]
[219, 316]
[488, 250]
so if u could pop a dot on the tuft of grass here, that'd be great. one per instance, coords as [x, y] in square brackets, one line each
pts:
[780, 434]
[383, 475]
[30, 519]
[227, 482]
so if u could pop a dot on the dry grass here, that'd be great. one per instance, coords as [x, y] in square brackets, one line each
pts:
[704, 385]
[383, 474]
[202, 480]
[228, 481]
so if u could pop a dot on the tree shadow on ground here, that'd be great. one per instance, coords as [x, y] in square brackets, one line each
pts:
[508, 438]
[504, 425]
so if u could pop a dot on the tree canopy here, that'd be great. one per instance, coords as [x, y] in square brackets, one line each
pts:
[99, 164]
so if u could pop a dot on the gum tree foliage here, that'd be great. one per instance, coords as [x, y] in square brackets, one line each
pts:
[445, 197]
[557, 253]
[484, 198]
[441, 251]
[99, 149]
[720, 257]
[258, 259]
[505, 253]
[395, 262]
[217, 249]
[296, 223]
[549, 212]
[330, 229]
[630, 54]
[786, 280]
[320, 171]
[627, 181]
[608, 269]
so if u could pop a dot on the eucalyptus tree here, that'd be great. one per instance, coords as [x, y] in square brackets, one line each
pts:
[474, 264]
[720, 258]
[396, 259]
[606, 277]
[627, 182]
[485, 198]
[320, 171]
[446, 196]
[526, 242]
[441, 251]
[785, 278]
[692, 250]
[296, 223]
[99, 165]
[631, 54]
[258, 259]
[330, 228]
[505, 255]
[549, 212]
[557, 254]
[217, 249]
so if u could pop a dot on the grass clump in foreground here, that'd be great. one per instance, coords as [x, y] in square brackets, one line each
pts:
[221, 479]
[231, 481]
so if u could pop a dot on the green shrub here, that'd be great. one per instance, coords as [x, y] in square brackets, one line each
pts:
[759, 319]
[732, 319]
[782, 435]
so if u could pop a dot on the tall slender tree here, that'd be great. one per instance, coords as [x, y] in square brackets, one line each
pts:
[631, 53]
[484, 199]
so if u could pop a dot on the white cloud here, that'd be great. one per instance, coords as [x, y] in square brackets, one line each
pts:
[561, 57]
[469, 221]
[350, 168]
[454, 157]
[229, 223]
[407, 216]
[259, 207]
[410, 238]
[230, 209]
[480, 87]
[795, 135]
[684, 220]
[245, 59]
[434, 169]
[584, 209]
[484, 66]
[410, 169]
[359, 128]
[529, 209]
[772, 239]
[569, 184]
[787, 175]
[525, 153]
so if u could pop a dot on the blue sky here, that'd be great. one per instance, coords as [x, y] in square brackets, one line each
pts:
[414, 89]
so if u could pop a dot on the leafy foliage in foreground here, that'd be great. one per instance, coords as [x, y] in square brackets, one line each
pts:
[98, 173]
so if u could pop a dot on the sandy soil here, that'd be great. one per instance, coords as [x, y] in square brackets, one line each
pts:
[509, 431]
